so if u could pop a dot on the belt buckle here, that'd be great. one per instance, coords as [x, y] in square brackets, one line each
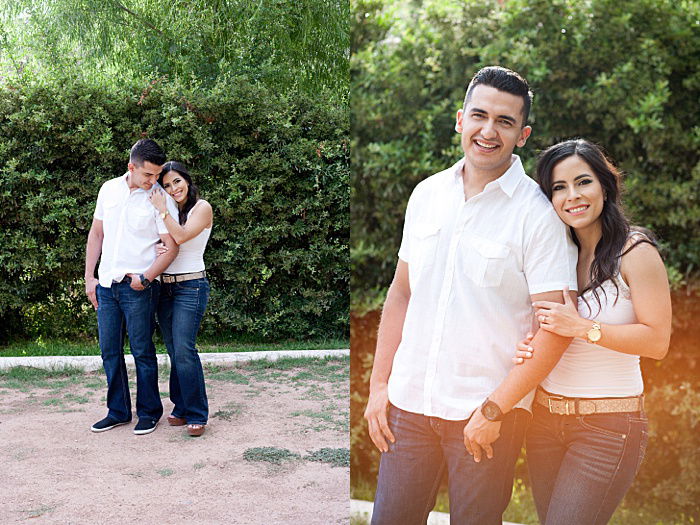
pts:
[551, 397]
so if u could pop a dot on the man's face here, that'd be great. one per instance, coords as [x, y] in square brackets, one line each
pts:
[491, 127]
[144, 176]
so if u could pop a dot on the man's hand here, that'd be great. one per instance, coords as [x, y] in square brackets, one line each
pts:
[375, 414]
[479, 433]
[136, 282]
[90, 290]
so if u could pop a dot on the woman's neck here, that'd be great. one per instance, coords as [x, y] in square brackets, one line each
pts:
[589, 236]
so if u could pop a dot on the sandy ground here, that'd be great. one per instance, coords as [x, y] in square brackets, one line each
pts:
[56, 471]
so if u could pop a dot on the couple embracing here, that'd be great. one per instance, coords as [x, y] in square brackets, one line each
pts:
[150, 245]
[493, 264]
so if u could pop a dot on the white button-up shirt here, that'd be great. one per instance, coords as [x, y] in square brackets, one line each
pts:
[131, 226]
[472, 267]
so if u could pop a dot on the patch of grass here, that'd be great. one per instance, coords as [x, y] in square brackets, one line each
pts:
[328, 415]
[39, 511]
[30, 374]
[199, 466]
[226, 415]
[70, 348]
[164, 395]
[52, 402]
[73, 398]
[337, 457]
[273, 455]
[166, 472]
[226, 374]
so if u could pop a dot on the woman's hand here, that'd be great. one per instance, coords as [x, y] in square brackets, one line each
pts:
[561, 319]
[524, 350]
[161, 248]
[158, 200]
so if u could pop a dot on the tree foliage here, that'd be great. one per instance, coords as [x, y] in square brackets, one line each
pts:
[277, 42]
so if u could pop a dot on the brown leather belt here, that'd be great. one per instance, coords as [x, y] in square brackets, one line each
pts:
[573, 406]
[180, 277]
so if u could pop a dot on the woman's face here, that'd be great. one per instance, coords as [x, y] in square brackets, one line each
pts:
[176, 186]
[577, 195]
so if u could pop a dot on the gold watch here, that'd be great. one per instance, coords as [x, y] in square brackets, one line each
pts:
[594, 334]
[163, 214]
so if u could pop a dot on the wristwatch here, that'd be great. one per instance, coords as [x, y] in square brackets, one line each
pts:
[145, 282]
[594, 334]
[491, 411]
[163, 214]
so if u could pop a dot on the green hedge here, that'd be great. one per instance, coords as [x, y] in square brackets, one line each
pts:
[623, 73]
[274, 167]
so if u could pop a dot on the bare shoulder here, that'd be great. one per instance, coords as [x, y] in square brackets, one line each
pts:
[642, 262]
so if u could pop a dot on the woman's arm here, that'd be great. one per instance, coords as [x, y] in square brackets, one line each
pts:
[200, 218]
[644, 272]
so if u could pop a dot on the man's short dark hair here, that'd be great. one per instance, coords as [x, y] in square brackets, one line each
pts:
[502, 79]
[146, 150]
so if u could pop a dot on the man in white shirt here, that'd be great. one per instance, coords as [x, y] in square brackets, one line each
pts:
[480, 243]
[125, 230]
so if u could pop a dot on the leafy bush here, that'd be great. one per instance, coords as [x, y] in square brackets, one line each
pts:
[274, 167]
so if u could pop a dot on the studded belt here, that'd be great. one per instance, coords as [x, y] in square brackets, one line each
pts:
[574, 406]
[180, 277]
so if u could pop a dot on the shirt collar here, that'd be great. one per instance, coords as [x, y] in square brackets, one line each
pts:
[507, 182]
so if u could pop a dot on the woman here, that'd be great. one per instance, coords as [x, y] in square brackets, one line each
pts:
[589, 431]
[184, 295]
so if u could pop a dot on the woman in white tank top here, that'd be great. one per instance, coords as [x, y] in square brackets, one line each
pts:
[184, 295]
[589, 431]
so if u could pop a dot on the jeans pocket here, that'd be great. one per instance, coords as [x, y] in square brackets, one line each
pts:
[612, 425]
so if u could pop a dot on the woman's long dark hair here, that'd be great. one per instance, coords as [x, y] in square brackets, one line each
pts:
[192, 190]
[615, 225]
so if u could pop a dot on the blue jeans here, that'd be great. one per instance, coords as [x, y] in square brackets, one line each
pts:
[122, 310]
[581, 466]
[180, 313]
[411, 472]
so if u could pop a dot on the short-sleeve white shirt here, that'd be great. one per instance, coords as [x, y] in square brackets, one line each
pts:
[131, 226]
[472, 267]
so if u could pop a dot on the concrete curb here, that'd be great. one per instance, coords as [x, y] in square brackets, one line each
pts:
[94, 362]
[363, 509]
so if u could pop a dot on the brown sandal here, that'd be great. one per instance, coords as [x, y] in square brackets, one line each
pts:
[195, 430]
[176, 421]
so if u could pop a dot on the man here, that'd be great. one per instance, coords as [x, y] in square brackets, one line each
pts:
[480, 243]
[125, 230]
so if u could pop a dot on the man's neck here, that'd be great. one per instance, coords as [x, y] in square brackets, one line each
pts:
[475, 180]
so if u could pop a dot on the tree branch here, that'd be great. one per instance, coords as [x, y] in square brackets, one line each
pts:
[121, 6]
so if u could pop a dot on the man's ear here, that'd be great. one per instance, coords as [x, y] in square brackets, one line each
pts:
[131, 167]
[524, 134]
[458, 121]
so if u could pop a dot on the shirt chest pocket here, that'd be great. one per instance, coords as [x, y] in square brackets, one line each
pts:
[484, 260]
[139, 220]
[425, 243]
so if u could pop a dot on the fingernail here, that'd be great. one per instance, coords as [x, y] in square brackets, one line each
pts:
[529, 349]
[520, 359]
[529, 354]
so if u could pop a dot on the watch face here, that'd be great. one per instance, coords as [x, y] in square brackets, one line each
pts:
[491, 411]
[594, 335]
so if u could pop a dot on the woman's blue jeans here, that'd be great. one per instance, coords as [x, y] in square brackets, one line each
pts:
[582, 466]
[123, 310]
[411, 472]
[180, 313]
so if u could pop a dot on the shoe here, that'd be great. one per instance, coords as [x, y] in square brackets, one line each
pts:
[145, 426]
[195, 430]
[107, 423]
[176, 421]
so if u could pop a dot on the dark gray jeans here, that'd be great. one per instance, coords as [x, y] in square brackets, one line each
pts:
[582, 466]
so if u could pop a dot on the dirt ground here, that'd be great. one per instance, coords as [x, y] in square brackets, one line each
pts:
[254, 465]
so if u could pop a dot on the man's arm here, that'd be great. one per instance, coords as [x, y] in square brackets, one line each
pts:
[92, 254]
[388, 339]
[160, 264]
[480, 432]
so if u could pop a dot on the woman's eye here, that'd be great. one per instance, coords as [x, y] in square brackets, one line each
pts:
[585, 181]
[557, 187]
